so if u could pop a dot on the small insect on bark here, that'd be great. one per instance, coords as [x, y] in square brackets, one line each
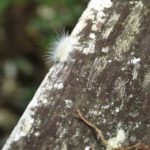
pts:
[61, 48]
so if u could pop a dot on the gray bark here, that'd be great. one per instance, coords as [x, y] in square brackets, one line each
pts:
[108, 79]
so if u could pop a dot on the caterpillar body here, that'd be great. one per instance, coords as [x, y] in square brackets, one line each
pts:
[61, 48]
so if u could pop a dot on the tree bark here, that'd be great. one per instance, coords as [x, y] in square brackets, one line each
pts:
[108, 79]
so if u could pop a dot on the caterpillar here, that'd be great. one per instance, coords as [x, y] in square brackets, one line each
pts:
[61, 48]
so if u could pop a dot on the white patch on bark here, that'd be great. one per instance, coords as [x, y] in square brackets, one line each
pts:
[79, 27]
[134, 60]
[37, 134]
[105, 49]
[110, 25]
[94, 112]
[58, 86]
[116, 142]
[109, 60]
[87, 148]
[90, 49]
[69, 103]
[62, 132]
[135, 71]
[92, 36]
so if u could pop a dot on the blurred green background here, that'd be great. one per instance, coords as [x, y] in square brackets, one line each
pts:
[26, 29]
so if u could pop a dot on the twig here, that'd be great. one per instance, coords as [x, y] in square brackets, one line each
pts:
[105, 142]
[99, 132]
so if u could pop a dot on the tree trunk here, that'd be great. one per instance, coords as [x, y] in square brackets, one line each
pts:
[107, 79]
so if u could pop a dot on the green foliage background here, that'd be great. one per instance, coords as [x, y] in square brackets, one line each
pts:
[26, 28]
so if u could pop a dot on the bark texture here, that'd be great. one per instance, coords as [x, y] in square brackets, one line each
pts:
[107, 78]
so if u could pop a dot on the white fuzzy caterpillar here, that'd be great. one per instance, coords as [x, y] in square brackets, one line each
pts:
[61, 48]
